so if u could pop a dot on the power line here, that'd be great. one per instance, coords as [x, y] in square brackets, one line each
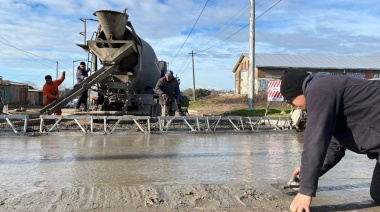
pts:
[185, 67]
[268, 9]
[234, 20]
[240, 29]
[216, 34]
[7, 54]
[224, 39]
[190, 31]
[10, 44]
[28, 53]
[23, 52]
[220, 31]
[63, 67]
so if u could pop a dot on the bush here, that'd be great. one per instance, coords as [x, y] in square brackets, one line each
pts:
[199, 93]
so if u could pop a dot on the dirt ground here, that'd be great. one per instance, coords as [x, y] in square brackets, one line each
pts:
[224, 103]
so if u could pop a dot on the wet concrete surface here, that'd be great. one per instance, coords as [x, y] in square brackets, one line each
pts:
[167, 167]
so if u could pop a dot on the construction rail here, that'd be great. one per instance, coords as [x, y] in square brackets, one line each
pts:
[86, 124]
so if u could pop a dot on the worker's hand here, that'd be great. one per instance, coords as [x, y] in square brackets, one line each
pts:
[296, 174]
[301, 203]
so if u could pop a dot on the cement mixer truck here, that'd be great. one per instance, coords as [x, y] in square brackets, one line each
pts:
[130, 70]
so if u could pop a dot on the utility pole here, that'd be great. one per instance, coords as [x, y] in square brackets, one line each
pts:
[168, 66]
[192, 56]
[85, 30]
[251, 70]
[74, 75]
[56, 77]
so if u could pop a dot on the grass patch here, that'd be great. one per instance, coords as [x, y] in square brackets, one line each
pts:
[196, 104]
[273, 112]
[259, 112]
[28, 111]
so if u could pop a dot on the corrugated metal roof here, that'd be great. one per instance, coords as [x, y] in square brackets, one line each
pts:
[4, 82]
[317, 61]
[34, 90]
[18, 83]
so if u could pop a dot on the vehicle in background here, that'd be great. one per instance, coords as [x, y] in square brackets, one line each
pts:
[129, 89]
[71, 104]
[130, 70]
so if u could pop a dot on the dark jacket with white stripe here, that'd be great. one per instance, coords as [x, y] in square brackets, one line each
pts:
[345, 111]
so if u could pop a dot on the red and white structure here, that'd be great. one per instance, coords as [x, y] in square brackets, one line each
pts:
[274, 94]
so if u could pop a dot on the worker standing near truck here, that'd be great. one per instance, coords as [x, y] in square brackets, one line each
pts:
[342, 113]
[167, 89]
[82, 74]
[51, 92]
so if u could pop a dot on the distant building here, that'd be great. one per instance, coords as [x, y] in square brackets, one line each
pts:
[5, 90]
[20, 93]
[271, 66]
[35, 97]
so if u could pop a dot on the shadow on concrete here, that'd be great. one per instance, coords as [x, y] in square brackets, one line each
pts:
[344, 187]
[347, 206]
[292, 192]
[54, 159]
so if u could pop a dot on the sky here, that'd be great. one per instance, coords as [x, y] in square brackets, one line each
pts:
[36, 35]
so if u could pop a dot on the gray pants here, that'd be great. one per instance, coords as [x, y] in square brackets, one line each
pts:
[169, 110]
[375, 184]
[1, 107]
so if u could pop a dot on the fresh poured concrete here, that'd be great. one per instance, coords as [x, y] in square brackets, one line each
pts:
[177, 172]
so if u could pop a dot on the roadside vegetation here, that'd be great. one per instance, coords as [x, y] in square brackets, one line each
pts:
[212, 102]
[258, 112]
[272, 112]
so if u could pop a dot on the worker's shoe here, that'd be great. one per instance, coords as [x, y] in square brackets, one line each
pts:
[181, 113]
[78, 110]
[85, 110]
[171, 112]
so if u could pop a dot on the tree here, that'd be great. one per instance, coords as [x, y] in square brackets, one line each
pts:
[31, 84]
[199, 93]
